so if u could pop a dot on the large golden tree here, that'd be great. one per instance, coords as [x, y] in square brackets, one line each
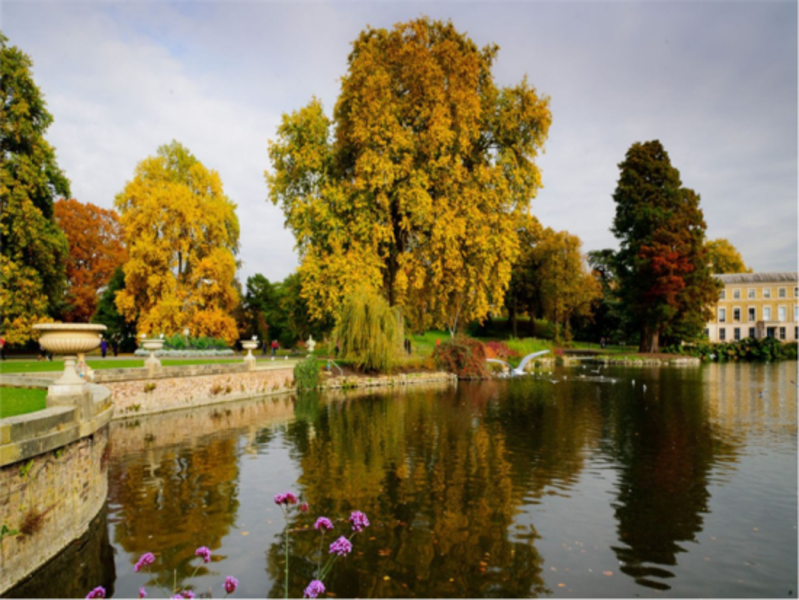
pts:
[182, 235]
[416, 185]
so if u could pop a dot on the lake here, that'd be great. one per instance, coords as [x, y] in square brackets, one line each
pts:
[674, 482]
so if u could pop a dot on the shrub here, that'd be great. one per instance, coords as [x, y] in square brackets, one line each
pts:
[370, 331]
[500, 350]
[306, 373]
[464, 356]
[747, 349]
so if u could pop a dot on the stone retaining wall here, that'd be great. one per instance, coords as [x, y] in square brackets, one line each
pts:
[53, 481]
[148, 395]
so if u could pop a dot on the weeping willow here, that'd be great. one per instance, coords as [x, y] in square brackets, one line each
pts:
[370, 331]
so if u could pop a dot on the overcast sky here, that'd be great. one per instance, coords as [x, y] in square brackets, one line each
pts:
[715, 82]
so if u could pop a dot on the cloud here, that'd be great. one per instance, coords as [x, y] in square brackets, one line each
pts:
[716, 83]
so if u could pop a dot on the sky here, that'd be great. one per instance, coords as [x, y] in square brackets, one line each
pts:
[714, 81]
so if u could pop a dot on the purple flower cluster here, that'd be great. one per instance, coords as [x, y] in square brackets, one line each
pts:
[304, 507]
[142, 593]
[146, 559]
[230, 585]
[99, 592]
[323, 523]
[183, 594]
[287, 498]
[359, 521]
[314, 588]
[341, 546]
[204, 552]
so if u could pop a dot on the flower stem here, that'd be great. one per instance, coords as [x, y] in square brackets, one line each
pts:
[286, 586]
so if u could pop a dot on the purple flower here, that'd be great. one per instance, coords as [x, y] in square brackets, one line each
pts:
[287, 498]
[145, 560]
[183, 594]
[99, 592]
[341, 546]
[323, 522]
[304, 507]
[142, 593]
[359, 521]
[204, 552]
[314, 588]
[230, 585]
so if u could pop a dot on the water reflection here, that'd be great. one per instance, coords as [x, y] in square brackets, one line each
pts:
[483, 490]
[436, 479]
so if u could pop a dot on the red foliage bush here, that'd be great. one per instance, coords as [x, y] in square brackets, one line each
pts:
[464, 356]
[500, 350]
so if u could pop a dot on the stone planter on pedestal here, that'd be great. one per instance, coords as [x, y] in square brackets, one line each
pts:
[153, 364]
[249, 346]
[70, 340]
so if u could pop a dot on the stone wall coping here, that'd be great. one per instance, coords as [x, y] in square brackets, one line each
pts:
[24, 436]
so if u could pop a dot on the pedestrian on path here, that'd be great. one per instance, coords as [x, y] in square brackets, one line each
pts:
[104, 347]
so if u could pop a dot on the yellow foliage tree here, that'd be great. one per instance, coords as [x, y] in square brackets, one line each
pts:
[724, 257]
[564, 285]
[416, 185]
[182, 236]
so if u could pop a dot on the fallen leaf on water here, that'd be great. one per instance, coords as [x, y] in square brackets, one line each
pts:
[755, 529]
[372, 539]
[386, 578]
[386, 552]
[552, 569]
[483, 564]
[608, 573]
[561, 585]
[245, 533]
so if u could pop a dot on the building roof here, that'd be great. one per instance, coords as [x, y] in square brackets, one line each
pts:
[757, 277]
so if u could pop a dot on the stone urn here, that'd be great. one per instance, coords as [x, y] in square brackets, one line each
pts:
[152, 344]
[310, 344]
[249, 346]
[69, 340]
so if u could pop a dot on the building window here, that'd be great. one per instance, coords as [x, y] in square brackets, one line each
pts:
[751, 332]
[767, 313]
[770, 332]
[736, 314]
[722, 334]
[796, 292]
[752, 314]
[782, 333]
[707, 333]
[722, 315]
[750, 293]
[736, 294]
[767, 292]
[796, 313]
[781, 292]
[723, 295]
[781, 312]
[736, 333]
[796, 333]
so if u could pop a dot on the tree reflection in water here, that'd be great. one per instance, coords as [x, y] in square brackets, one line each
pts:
[181, 499]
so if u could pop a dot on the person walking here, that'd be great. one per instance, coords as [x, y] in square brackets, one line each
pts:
[104, 347]
[2, 347]
[275, 346]
[115, 345]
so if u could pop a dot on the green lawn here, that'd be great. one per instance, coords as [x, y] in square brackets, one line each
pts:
[19, 401]
[33, 366]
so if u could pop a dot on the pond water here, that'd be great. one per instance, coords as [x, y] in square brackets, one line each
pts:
[673, 482]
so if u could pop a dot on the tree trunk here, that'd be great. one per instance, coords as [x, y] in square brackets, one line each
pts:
[650, 340]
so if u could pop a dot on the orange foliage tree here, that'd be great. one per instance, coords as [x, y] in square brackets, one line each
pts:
[95, 250]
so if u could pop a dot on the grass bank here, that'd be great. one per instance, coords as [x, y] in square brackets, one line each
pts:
[20, 401]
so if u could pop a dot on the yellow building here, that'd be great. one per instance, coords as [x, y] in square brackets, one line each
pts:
[756, 305]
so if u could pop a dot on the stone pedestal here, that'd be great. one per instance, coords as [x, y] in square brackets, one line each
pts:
[152, 364]
[249, 346]
[70, 340]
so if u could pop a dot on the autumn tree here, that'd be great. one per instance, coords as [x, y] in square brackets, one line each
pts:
[182, 235]
[665, 285]
[555, 271]
[95, 250]
[117, 328]
[416, 184]
[34, 249]
[724, 257]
